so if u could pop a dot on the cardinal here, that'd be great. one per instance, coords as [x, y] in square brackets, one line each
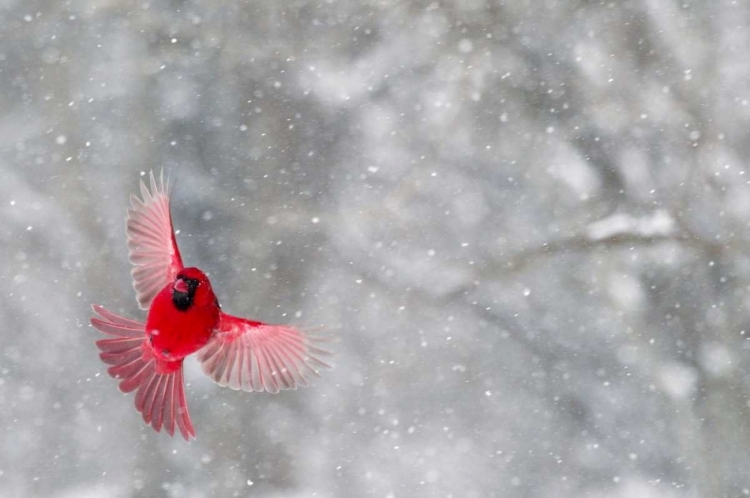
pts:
[184, 317]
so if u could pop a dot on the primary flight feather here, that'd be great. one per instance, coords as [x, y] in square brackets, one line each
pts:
[184, 317]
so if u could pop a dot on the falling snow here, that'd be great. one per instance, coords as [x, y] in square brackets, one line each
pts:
[522, 224]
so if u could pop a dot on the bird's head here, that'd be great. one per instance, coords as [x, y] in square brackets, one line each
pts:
[192, 288]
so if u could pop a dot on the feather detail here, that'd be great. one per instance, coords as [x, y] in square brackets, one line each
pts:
[160, 397]
[151, 241]
[255, 356]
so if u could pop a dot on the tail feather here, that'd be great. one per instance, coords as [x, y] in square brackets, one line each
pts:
[155, 388]
[160, 397]
[181, 410]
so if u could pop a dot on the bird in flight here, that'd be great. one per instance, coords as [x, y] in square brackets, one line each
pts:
[184, 317]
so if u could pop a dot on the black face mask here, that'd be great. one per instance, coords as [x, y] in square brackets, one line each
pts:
[184, 300]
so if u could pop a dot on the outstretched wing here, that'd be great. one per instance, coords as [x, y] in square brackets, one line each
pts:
[151, 242]
[160, 398]
[255, 356]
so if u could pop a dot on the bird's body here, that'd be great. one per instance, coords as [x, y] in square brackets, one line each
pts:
[174, 333]
[184, 318]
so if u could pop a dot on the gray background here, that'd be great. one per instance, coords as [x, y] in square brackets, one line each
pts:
[525, 222]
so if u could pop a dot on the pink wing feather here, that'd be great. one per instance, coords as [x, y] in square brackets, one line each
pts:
[151, 242]
[255, 356]
[160, 398]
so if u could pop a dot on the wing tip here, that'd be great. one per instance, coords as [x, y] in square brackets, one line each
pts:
[152, 247]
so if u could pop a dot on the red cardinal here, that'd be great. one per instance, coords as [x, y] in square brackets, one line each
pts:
[184, 317]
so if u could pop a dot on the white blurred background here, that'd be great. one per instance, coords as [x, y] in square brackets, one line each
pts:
[525, 222]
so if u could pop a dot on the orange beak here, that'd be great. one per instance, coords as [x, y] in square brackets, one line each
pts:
[180, 286]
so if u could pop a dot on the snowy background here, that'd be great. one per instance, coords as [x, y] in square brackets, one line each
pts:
[526, 223]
